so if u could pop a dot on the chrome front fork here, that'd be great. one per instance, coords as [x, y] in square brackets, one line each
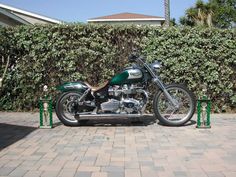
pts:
[173, 101]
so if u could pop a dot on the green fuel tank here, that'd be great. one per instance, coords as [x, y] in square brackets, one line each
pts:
[128, 76]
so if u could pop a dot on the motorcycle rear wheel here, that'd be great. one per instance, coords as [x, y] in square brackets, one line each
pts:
[167, 113]
[66, 107]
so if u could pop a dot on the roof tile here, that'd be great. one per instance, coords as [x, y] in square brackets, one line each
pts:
[126, 15]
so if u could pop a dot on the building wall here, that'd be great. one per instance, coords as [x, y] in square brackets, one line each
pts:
[30, 19]
[6, 21]
[156, 23]
[9, 17]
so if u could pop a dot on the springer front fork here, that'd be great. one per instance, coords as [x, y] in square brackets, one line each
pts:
[159, 84]
[173, 101]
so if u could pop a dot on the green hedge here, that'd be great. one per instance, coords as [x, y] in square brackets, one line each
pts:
[51, 54]
[198, 57]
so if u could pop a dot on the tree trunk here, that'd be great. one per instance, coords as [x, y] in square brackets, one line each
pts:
[167, 12]
[5, 70]
[209, 19]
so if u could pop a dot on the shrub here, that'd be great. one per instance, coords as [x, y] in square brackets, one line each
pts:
[51, 54]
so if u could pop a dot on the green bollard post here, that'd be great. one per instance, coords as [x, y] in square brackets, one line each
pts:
[45, 108]
[203, 112]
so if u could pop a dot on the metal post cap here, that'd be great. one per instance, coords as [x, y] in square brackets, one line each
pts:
[45, 88]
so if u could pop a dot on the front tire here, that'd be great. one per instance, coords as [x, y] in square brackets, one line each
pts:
[168, 114]
[66, 108]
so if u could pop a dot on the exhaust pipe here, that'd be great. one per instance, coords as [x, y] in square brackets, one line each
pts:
[108, 116]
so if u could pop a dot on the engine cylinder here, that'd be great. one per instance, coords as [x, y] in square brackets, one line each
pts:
[112, 105]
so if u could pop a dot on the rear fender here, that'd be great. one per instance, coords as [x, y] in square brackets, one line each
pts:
[72, 86]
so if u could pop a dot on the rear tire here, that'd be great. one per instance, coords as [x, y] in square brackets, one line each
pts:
[168, 114]
[65, 113]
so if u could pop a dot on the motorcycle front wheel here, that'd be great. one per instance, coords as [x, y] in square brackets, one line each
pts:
[167, 113]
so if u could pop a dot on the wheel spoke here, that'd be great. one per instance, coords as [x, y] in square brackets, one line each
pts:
[171, 113]
[68, 106]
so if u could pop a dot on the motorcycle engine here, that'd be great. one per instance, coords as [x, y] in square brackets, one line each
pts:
[130, 105]
[111, 105]
[123, 100]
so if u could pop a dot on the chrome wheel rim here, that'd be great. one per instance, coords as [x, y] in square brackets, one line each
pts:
[172, 113]
[69, 104]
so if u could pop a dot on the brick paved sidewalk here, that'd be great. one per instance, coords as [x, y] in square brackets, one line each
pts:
[116, 148]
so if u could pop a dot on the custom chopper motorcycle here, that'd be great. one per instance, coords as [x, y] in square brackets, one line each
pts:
[126, 96]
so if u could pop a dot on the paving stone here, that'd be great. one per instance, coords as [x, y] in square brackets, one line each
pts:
[197, 173]
[112, 169]
[180, 173]
[71, 165]
[146, 163]
[116, 174]
[67, 173]
[90, 160]
[49, 173]
[99, 174]
[33, 173]
[230, 159]
[132, 173]
[117, 164]
[31, 157]
[18, 172]
[51, 167]
[159, 168]
[116, 148]
[229, 174]
[88, 168]
[4, 171]
[103, 160]
[131, 164]
[43, 161]
[215, 174]
[83, 174]
[149, 173]
[14, 163]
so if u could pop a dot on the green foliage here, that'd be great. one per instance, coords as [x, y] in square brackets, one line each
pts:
[52, 54]
[199, 15]
[173, 22]
[218, 13]
[224, 12]
[197, 57]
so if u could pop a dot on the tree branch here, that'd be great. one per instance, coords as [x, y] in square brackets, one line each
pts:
[5, 70]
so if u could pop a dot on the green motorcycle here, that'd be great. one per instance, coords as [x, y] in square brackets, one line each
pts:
[125, 95]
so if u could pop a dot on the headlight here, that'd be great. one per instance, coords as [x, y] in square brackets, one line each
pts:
[156, 65]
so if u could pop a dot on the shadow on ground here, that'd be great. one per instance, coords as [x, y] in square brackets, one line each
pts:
[189, 123]
[10, 134]
[143, 121]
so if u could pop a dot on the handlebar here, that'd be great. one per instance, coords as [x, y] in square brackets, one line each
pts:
[134, 57]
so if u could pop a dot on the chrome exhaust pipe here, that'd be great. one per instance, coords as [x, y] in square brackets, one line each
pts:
[108, 116]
